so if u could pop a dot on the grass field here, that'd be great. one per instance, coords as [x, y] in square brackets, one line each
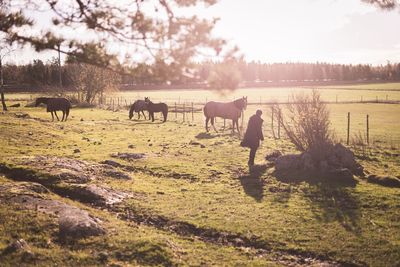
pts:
[201, 180]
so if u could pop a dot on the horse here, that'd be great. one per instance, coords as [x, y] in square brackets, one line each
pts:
[160, 107]
[231, 110]
[138, 106]
[54, 104]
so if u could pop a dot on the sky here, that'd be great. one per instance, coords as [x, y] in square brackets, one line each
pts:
[334, 31]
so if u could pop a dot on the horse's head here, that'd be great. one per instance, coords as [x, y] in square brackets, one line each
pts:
[41, 100]
[241, 103]
[146, 99]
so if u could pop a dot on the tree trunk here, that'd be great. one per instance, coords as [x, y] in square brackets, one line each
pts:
[3, 102]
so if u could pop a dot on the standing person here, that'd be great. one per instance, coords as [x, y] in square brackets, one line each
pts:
[253, 135]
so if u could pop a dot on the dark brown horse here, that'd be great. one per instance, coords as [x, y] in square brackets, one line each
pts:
[138, 106]
[159, 107]
[54, 104]
[231, 110]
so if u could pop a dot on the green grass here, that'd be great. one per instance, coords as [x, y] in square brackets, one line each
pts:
[350, 223]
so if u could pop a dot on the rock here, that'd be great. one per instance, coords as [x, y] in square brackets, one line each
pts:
[288, 162]
[344, 158]
[273, 155]
[202, 146]
[81, 119]
[22, 115]
[76, 150]
[342, 174]
[15, 105]
[111, 163]
[116, 174]
[17, 245]
[95, 194]
[78, 224]
[307, 162]
[128, 156]
[131, 146]
[30, 133]
[389, 181]
[194, 143]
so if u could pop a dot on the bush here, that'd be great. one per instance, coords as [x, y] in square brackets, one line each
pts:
[306, 123]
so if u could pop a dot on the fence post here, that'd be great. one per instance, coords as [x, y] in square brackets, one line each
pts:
[184, 111]
[348, 128]
[224, 124]
[175, 111]
[192, 113]
[272, 122]
[126, 103]
[367, 129]
[113, 104]
[279, 124]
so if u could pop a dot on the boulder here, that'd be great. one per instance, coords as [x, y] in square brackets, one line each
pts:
[94, 194]
[307, 162]
[76, 224]
[344, 157]
[341, 174]
[389, 181]
[288, 162]
[273, 155]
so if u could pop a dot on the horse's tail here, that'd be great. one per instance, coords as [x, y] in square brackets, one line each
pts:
[205, 110]
[131, 110]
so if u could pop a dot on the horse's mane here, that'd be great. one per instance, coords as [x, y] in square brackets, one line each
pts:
[238, 102]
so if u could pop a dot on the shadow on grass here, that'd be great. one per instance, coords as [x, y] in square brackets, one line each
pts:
[252, 183]
[332, 200]
[206, 135]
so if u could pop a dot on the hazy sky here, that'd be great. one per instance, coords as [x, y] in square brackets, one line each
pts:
[339, 31]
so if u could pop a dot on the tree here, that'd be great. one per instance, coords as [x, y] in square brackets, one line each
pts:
[150, 28]
[90, 81]
[384, 4]
[5, 50]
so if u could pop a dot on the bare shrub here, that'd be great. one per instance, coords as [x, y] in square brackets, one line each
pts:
[306, 122]
[91, 81]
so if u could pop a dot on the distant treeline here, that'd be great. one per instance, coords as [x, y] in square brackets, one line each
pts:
[39, 75]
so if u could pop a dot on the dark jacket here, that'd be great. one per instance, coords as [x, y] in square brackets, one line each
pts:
[253, 133]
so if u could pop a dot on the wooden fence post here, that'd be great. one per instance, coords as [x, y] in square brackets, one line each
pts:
[192, 113]
[367, 129]
[184, 109]
[348, 128]
[279, 124]
[175, 111]
[272, 122]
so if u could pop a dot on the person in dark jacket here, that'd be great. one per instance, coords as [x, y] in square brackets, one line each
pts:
[253, 135]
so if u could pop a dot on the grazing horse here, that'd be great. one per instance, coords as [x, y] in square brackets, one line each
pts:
[54, 104]
[231, 110]
[138, 106]
[160, 107]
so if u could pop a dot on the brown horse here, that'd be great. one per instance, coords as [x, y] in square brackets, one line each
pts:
[54, 104]
[231, 110]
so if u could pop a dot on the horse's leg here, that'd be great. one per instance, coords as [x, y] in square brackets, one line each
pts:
[237, 125]
[212, 123]
[143, 114]
[138, 113]
[52, 116]
[152, 116]
[55, 112]
[207, 119]
[63, 115]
